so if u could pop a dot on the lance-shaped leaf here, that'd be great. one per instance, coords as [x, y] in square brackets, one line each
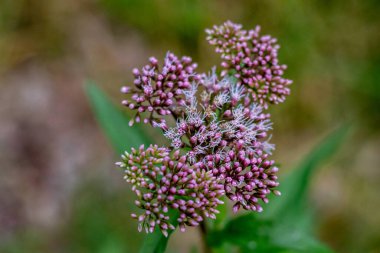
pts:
[284, 225]
[123, 137]
[113, 121]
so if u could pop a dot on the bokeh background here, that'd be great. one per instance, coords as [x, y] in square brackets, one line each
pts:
[59, 191]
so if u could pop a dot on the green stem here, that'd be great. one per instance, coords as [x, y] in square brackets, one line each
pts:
[203, 231]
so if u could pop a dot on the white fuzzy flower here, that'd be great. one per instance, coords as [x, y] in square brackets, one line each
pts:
[236, 92]
[221, 99]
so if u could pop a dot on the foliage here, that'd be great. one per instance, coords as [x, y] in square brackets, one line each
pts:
[115, 125]
[285, 225]
[114, 122]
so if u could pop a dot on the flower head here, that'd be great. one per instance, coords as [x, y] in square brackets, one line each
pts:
[219, 133]
[164, 181]
[253, 60]
[157, 91]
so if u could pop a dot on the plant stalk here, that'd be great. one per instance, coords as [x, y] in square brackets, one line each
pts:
[203, 231]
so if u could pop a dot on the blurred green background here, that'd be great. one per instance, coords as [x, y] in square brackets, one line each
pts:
[58, 189]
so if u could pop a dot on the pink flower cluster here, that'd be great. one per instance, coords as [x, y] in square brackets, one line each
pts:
[162, 181]
[248, 177]
[233, 146]
[157, 91]
[253, 60]
[219, 143]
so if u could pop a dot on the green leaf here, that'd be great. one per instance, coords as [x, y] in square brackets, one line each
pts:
[122, 137]
[257, 235]
[294, 187]
[156, 242]
[113, 121]
[284, 226]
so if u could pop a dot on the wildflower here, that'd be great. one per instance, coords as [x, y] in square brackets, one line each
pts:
[164, 181]
[212, 83]
[221, 99]
[237, 92]
[219, 144]
[157, 91]
[248, 178]
[253, 60]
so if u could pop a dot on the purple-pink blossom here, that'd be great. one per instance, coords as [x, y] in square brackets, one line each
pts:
[163, 180]
[253, 60]
[157, 90]
[217, 127]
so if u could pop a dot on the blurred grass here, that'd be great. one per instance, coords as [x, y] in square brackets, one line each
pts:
[333, 54]
[170, 21]
[99, 222]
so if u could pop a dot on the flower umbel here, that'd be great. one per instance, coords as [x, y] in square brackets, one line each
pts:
[158, 90]
[253, 60]
[219, 132]
[164, 181]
